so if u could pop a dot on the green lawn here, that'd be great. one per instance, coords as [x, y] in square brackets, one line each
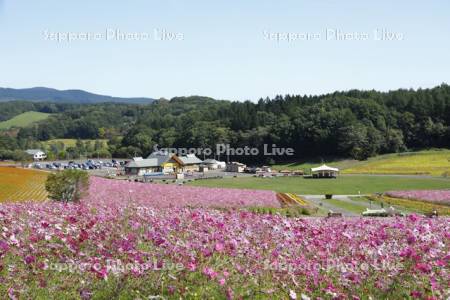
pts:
[354, 208]
[344, 185]
[23, 120]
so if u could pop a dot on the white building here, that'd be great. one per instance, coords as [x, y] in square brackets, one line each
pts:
[213, 164]
[37, 154]
[324, 171]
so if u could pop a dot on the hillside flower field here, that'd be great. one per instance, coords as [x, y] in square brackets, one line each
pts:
[434, 196]
[112, 245]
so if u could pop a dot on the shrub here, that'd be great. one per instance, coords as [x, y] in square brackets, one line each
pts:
[305, 212]
[68, 185]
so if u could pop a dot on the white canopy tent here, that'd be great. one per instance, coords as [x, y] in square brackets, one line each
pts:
[324, 171]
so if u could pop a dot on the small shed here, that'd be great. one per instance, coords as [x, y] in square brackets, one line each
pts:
[324, 171]
[139, 166]
[213, 164]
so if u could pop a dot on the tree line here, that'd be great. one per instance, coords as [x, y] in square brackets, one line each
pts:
[356, 124]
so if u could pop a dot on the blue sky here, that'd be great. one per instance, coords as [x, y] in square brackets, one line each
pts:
[223, 52]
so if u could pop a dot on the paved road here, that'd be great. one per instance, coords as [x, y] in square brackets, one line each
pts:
[320, 201]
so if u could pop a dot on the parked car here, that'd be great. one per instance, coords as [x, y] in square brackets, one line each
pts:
[252, 170]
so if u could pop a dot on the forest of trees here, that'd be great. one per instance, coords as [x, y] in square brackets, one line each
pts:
[356, 124]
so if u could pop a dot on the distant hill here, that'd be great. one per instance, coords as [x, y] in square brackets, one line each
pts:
[24, 120]
[43, 94]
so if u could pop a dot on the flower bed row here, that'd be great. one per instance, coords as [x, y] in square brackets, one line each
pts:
[413, 205]
[164, 195]
[18, 184]
[434, 196]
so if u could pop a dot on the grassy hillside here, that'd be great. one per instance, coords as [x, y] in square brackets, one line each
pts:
[435, 163]
[311, 163]
[23, 120]
[347, 184]
[72, 142]
[431, 162]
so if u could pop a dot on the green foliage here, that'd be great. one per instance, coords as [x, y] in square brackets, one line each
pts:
[68, 185]
[356, 124]
[292, 211]
[75, 148]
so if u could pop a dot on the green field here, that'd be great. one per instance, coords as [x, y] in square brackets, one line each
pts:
[344, 185]
[431, 162]
[352, 207]
[23, 120]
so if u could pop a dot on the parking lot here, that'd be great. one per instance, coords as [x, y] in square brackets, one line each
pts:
[99, 167]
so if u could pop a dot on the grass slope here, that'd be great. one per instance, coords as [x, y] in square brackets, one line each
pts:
[434, 163]
[72, 142]
[430, 162]
[344, 185]
[23, 120]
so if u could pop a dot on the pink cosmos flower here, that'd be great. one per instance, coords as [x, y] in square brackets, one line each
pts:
[209, 272]
[222, 281]
[192, 266]
[413, 218]
[219, 247]
[30, 259]
[4, 246]
[11, 294]
[416, 294]
[425, 268]
[230, 294]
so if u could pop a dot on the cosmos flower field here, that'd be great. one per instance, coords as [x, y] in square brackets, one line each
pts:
[433, 196]
[169, 195]
[113, 245]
